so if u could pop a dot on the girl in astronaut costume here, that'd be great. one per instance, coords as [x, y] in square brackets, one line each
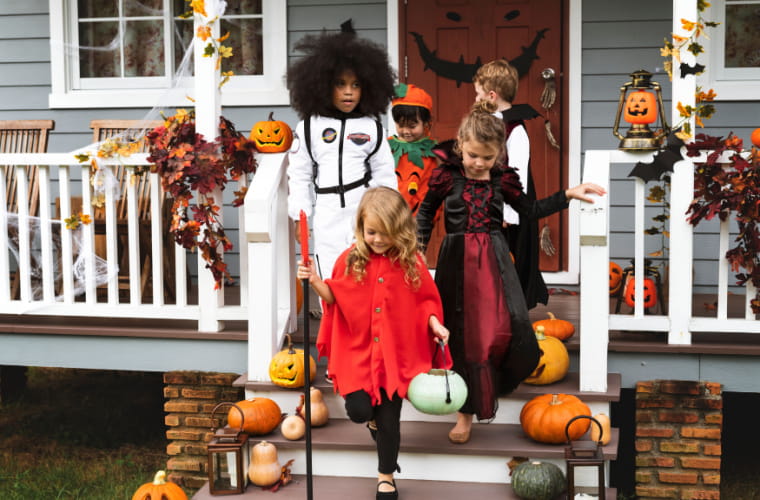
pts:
[339, 89]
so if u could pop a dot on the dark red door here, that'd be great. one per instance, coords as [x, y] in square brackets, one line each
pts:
[443, 42]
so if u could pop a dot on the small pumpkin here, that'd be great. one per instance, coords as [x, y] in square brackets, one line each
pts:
[265, 469]
[261, 416]
[159, 489]
[293, 427]
[755, 137]
[649, 294]
[554, 362]
[616, 278]
[272, 136]
[319, 412]
[606, 429]
[544, 418]
[286, 368]
[554, 327]
[640, 108]
[428, 392]
[536, 480]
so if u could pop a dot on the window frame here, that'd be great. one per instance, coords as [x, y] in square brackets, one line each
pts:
[250, 90]
[730, 84]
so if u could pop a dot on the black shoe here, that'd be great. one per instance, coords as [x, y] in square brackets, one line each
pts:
[387, 495]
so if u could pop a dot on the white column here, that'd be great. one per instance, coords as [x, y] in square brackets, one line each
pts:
[682, 190]
[208, 108]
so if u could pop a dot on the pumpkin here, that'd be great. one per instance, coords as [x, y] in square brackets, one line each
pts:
[427, 392]
[261, 416]
[319, 412]
[554, 327]
[272, 136]
[293, 427]
[650, 292]
[536, 480]
[286, 367]
[159, 489]
[544, 418]
[640, 108]
[616, 277]
[606, 429]
[554, 362]
[755, 137]
[265, 469]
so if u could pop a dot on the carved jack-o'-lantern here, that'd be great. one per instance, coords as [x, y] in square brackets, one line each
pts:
[616, 278]
[640, 107]
[272, 136]
[650, 292]
[287, 367]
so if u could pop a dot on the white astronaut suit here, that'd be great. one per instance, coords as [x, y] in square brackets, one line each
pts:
[340, 148]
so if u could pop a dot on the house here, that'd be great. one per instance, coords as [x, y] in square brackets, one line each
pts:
[72, 66]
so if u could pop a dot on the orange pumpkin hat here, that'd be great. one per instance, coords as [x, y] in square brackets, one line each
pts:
[411, 95]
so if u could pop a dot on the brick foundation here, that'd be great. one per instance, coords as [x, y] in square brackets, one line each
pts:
[678, 432]
[190, 398]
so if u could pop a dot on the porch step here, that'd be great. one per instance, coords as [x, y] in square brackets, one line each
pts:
[343, 448]
[353, 488]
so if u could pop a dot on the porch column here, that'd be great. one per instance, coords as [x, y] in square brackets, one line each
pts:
[208, 108]
[682, 191]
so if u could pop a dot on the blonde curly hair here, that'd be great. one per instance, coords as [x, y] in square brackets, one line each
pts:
[391, 212]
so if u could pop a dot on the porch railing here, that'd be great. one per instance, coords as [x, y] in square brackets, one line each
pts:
[49, 261]
[679, 321]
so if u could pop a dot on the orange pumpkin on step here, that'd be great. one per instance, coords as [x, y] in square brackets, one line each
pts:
[545, 417]
[553, 327]
[261, 416]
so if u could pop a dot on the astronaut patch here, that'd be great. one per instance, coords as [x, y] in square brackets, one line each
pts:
[359, 138]
[329, 135]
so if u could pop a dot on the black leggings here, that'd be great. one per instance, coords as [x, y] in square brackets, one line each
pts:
[387, 416]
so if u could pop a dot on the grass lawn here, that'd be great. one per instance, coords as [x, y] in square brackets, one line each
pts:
[77, 434]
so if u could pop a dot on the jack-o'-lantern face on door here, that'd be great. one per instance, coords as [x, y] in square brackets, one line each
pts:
[640, 108]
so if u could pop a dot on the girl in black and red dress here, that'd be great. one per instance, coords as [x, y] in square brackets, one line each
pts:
[492, 340]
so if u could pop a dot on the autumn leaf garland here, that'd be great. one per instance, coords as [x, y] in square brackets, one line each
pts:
[186, 162]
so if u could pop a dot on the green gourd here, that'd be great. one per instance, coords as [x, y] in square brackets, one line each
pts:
[535, 480]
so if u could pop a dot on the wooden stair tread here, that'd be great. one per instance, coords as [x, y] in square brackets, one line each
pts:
[361, 488]
[569, 385]
[502, 440]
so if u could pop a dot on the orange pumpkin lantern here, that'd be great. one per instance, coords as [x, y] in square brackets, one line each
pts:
[640, 107]
[272, 136]
[554, 362]
[261, 416]
[159, 489]
[287, 367]
[545, 417]
[616, 278]
[650, 292]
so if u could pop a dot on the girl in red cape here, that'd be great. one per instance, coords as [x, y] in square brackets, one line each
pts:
[382, 320]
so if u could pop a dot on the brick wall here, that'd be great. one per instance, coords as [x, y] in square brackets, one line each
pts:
[678, 432]
[190, 398]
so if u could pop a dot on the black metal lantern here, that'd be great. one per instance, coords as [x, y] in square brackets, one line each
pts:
[640, 108]
[228, 457]
[585, 461]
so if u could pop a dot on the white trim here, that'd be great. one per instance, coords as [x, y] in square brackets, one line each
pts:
[730, 84]
[264, 90]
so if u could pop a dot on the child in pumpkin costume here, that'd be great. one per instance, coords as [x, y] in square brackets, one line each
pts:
[381, 321]
[339, 88]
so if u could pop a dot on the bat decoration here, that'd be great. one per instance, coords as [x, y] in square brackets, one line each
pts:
[687, 69]
[512, 14]
[453, 16]
[661, 163]
[462, 72]
[347, 27]
[520, 112]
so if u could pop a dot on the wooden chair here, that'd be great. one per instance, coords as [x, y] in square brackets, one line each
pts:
[23, 136]
[106, 129]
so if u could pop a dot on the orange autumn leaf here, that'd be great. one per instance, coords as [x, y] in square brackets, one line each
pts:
[203, 32]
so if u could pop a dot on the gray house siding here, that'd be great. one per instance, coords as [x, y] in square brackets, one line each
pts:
[618, 38]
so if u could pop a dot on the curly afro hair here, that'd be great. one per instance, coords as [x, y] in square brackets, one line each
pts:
[310, 80]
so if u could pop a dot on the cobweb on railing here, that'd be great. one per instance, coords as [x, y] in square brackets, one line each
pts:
[103, 272]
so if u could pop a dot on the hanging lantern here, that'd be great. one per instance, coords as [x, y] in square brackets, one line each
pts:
[641, 107]
[228, 457]
[584, 460]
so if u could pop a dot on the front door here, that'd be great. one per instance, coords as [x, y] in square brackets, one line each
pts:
[443, 42]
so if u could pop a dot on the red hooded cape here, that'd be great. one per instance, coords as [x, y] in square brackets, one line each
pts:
[376, 334]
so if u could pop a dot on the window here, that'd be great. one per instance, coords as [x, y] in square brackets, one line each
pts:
[733, 66]
[128, 52]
